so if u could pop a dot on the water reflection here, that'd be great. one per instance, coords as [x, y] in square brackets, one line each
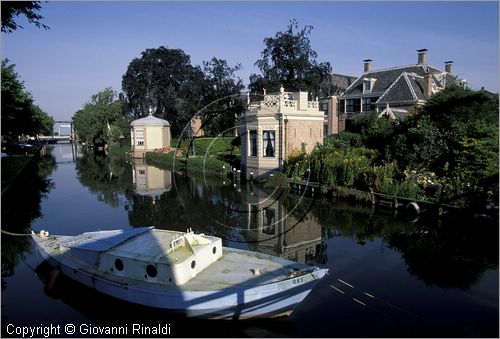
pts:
[150, 180]
[20, 206]
[449, 252]
[272, 229]
[107, 177]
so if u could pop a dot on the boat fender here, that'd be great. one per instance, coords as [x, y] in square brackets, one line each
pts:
[255, 271]
[53, 277]
[413, 207]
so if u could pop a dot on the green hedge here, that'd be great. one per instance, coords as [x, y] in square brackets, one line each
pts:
[213, 145]
[200, 164]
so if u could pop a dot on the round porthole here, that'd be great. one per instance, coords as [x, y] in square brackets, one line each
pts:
[214, 250]
[119, 264]
[151, 271]
[193, 264]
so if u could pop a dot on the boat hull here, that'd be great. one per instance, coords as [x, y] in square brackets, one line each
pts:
[239, 302]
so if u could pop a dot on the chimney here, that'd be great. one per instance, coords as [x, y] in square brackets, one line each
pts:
[448, 66]
[427, 84]
[422, 56]
[367, 65]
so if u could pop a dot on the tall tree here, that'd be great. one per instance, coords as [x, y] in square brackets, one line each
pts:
[289, 60]
[221, 96]
[94, 122]
[11, 9]
[164, 79]
[19, 114]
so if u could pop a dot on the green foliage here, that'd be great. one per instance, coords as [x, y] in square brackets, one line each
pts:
[455, 136]
[19, 114]
[165, 80]
[405, 188]
[11, 9]
[101, 119]
[42, 122]
[277, 180]
[375, 132]
[343, 140]
[212, 145]
[418, 144]
[330, 166]
[289, 60]
[221, 96]
[205, 165]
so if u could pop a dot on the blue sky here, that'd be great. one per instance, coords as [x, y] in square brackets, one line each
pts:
[90, 44]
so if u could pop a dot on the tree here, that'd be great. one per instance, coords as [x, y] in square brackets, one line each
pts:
[468, 123]
[221, 95]
[19, 114]
[165, 80]
[289, 60]
[42, 122]
[11, 9]
[93, 123]
[455, 135]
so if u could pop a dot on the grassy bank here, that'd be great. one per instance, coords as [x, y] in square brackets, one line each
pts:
[206, 165]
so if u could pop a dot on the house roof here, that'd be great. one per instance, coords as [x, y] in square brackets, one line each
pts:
[150, 120]
[408, 87]
[342, 82]
[386, 78]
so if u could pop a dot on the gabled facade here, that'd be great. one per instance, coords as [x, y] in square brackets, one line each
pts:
[396, 91]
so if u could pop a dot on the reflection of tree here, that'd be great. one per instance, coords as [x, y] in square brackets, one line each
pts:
[203, 205]
[452, 254]
[448, 252]
[20, 206]
[105, 176]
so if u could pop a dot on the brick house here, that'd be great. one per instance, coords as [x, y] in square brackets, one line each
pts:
[272, 128]
[395, 92]
[339, 83]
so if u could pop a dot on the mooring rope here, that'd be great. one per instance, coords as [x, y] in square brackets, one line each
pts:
[16, 234]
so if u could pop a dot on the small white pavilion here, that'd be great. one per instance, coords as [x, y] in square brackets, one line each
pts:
[148, 134]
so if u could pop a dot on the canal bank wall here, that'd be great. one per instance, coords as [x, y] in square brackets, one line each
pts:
[387, 203]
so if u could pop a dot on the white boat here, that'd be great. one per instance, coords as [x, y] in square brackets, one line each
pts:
[181, 271]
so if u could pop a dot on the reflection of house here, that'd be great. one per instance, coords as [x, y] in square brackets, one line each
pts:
[148, 134]
[149, 180]
[273, 127]
[394, 92]
[274, 231]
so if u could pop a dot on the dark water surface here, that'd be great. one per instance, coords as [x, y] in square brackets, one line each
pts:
[389, 276]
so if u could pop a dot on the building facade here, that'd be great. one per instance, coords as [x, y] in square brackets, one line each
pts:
[275, 126]
[330, 105]
[148, 134]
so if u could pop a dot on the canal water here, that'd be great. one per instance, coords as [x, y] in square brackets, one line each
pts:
[389, 275]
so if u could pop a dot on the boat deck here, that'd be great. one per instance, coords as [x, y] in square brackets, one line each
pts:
[237, 269]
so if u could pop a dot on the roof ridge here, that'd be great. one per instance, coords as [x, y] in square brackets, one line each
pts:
[412, 90]
[390, 87]
[407, 66]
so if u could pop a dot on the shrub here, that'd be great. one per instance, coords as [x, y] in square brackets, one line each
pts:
[213, 145]
[277, 180]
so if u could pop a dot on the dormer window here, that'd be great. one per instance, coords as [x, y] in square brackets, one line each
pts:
[368, 85]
